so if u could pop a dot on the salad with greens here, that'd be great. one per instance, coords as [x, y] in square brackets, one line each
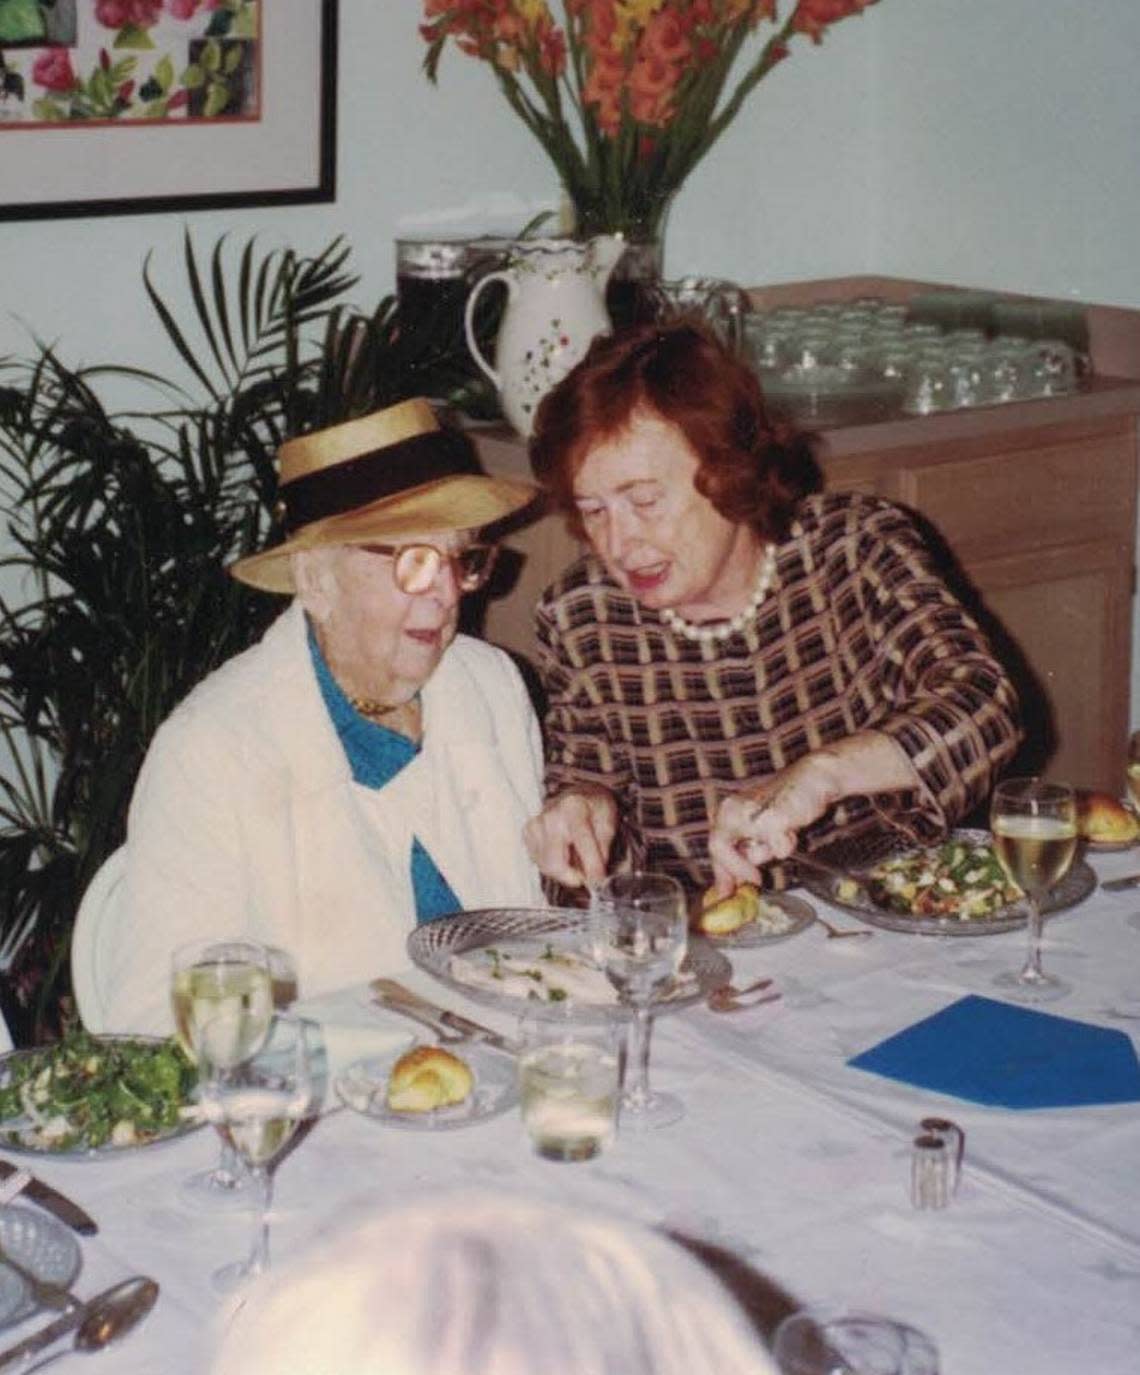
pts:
[87, 1093]
[961, 879]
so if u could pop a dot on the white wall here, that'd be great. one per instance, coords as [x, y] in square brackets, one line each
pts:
[1007, 145]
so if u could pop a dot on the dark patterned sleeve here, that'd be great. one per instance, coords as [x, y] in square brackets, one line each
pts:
[579, 749]
[952, 707]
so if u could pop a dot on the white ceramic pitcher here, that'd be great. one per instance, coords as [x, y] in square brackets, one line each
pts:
[555, 305]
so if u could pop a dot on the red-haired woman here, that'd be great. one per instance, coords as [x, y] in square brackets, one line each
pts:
[738, 666]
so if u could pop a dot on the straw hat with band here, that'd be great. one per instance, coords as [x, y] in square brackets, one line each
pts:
[395, 472]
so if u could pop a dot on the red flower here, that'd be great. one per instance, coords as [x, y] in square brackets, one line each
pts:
[52, 70]
[813, 16]
[116, 14]
[183, 9]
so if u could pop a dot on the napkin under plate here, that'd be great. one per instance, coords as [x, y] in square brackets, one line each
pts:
[996, 1053]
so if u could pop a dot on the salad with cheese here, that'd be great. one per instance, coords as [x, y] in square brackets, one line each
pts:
[88, 1093]
[960, 879]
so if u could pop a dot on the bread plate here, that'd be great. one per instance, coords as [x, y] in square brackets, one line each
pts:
[363, 1088]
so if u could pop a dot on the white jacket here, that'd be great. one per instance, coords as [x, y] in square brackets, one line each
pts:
[246, 821]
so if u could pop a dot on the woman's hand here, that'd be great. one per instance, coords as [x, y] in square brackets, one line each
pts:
[755, 827]
[570, 838]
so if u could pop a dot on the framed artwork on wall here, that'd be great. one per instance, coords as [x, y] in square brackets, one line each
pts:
[138, 106]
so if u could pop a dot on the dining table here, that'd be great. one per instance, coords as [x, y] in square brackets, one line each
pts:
[790, 1171]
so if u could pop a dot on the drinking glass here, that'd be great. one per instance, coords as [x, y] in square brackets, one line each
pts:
[257, 1103]
[1034, 826]
[569, 1075]
[209, 977]
[815, 1342]
[639, 928]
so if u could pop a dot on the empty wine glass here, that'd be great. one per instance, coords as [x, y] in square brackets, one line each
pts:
[209, 977]
[1034, 826]
[639, 928]
[257, 1103]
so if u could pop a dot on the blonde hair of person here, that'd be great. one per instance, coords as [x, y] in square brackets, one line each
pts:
[492, 1285]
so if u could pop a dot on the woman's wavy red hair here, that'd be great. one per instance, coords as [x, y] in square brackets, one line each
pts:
[753, 471]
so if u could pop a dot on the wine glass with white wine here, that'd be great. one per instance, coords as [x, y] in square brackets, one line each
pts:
[256, 1102]
[639, 929]
[209, 977]
[1034, 827]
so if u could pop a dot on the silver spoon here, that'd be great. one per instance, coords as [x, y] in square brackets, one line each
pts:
[105, 1319]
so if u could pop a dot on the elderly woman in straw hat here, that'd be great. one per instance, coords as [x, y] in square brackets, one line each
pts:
[364, 767]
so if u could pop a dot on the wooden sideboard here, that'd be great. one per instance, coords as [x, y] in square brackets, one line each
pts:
[1034, 507]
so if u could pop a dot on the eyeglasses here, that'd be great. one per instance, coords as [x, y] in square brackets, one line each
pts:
[416, 566]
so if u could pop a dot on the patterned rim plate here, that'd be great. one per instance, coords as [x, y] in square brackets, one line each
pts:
[801, 913]
[529, 931]
[13, 1140]
[1077, 884]
[41, 1245]
[363, 1086]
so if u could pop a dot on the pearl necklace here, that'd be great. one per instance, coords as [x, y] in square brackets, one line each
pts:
[721, 630]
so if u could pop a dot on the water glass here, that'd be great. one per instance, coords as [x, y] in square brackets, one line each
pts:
[569, 1083]
[721, 304]
[823, 1342]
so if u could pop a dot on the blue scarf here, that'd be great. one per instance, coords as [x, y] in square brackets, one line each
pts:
[376, 755]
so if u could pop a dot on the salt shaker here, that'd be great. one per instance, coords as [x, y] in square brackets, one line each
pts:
[955, 1139]
[929, 1172]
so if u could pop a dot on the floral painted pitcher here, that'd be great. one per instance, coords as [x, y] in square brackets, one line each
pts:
[555, 306]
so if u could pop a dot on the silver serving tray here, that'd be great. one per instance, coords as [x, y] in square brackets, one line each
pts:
[432, 945]
[1077, 884]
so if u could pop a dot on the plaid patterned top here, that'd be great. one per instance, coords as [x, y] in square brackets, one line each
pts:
[859, 632]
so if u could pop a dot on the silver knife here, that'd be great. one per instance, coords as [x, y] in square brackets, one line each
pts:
[396, 995]
[62, 1207]
[1118, 885]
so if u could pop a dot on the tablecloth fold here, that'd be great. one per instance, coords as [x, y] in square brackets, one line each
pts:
[996, 1053]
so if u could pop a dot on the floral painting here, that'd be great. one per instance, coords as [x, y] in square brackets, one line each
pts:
[64, 62]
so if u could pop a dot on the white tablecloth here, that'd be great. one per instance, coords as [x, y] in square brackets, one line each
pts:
[786, 1157]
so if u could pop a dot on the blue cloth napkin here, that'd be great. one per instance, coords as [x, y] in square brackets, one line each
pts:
[1013, 1057]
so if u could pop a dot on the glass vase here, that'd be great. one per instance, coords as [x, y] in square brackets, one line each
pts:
[631, 296]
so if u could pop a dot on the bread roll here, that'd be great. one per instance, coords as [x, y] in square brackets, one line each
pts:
[426, 1078]
[730, 913]
[1104, 820]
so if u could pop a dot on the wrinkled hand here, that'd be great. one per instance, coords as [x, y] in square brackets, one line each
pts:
[570, 838]
[755, 827]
